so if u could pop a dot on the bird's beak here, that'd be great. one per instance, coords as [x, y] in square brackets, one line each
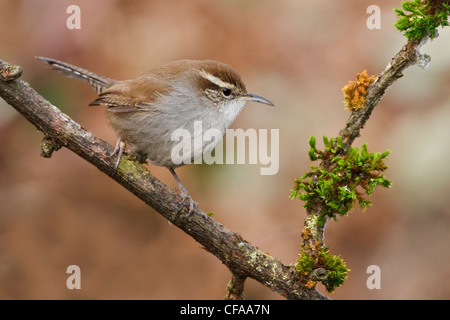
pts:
[254, 97]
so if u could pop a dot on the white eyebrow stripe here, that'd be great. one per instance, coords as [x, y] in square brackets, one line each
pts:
[215, 80]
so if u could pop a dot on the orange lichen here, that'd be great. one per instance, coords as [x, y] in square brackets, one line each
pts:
[355, 91]
[310, 284]
[306, 233]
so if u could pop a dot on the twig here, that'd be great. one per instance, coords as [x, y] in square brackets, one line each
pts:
[235, 288]
[313, 233]
[407, 56]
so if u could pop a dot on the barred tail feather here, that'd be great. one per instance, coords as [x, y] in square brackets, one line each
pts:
[98, 82]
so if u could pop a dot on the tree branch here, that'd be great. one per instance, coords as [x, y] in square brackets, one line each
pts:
[315, 221]
[235, 288]
[406, 57]
[419, 25]
[237, 254]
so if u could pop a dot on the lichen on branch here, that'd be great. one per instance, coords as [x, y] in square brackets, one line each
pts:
[355, 91]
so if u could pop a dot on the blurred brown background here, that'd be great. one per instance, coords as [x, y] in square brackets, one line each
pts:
[62, 211]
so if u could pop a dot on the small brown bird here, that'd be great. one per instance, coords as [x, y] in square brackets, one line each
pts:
[145, 111]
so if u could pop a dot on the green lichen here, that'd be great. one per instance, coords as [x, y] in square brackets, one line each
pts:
[421, 18]
[312, 224]
[337, 184]
[334, 266]
[127, 165]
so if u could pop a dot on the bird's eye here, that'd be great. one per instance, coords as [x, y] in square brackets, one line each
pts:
[226, 92]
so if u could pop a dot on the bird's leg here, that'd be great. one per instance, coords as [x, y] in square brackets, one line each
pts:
[120, 146]
[183, 190]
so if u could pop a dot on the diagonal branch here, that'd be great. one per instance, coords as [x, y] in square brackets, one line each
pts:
[59, 130]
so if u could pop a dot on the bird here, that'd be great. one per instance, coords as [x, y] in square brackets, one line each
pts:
[145, 111]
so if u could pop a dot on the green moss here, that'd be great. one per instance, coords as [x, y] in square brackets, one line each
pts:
[334, 265]
[418, 19]
[337, 184]
[337, 269]
[305, 263]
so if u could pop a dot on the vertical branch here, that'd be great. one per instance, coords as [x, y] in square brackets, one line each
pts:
[406, 57]
[315, 255]
[235, 288]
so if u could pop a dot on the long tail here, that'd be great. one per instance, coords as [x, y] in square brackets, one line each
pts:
[98, 82]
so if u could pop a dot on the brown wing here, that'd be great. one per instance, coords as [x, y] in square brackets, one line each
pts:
[132, 95]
